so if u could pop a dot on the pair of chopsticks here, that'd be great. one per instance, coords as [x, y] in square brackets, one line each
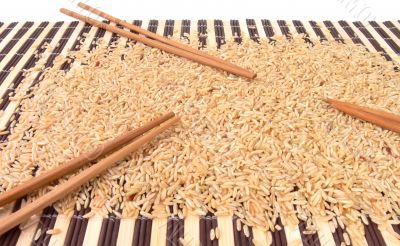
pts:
[157, 41]
[141, 136]
[378, 117]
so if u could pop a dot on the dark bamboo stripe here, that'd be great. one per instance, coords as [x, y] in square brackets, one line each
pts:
[368, 236]
[136, 232]
[53, 220]
[252, 28]
[214, 225]
[276, 238]
[301, 30]
[202, 32]
[185, 27]
[115, 36]
[76, 46]
[14, 117]
[219, 32]
[181, 230]
[335, 34]
[76, 229]
[236, 234]
[46, 223]
[71, 228]
[137, 23]
[236, 33]
[299, 27]
[15, 39]
[86, 28]
[142, 232]
[251, 237]
[396, 228]
[284, 28]
[243, 241]
[7, 30]
[109, 231]
[114, 235]
[347, 28]
[392, 28]
[1, 24]
[99, 34]
[175, 231]
[148, 232]
[269, 31]
[371, 39]
[83, 226]
[103, 232]
[385, 37]
[11, 237]
[374, 239]
[203, 234]
[308, 239]
[207, 223]
[281, 233]
[169, 28]
[59, 47]
[153, 24]
[318, 31]
[170, 229]
[239, 237]
[376, 235]
[338, 236]
[42, 226]
[208, 229]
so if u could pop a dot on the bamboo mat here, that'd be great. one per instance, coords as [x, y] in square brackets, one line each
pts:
[21, 48]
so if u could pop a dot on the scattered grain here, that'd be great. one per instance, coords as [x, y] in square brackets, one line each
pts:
[54, 231]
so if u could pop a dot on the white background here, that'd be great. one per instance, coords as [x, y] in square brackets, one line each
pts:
[18, 10]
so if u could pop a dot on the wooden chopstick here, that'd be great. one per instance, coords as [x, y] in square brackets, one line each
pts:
[158, 37]
[78, 162]
[383, 119]
[381, 113]
[83, 177]
[163, 46]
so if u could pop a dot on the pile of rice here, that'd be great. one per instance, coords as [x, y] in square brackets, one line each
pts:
[259, 149]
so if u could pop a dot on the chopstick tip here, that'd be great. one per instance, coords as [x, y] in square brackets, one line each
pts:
[176, 119]
[67, 12]
[82, 5]
[327, 100]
